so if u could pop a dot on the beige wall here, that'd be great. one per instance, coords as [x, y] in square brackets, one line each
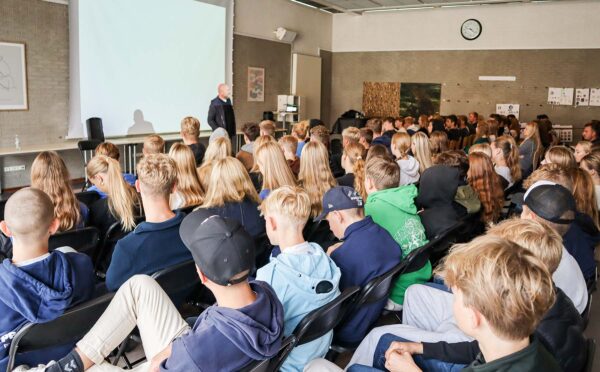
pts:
[458, 72]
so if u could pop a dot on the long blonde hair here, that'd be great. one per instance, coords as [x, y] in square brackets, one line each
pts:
[229, 183]
[273, 167]
[123, 200]
[355, 153]
[534, 136]
[49, 174]
[219, 148]
[510, 153]
[188, 184]
[315, 175]
[421, 148]
[439, 142]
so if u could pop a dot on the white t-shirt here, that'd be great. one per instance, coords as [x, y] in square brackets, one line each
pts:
[597, 188]
[569, 278]
[505, 173]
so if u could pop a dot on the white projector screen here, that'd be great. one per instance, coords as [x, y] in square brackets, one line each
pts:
[143, 65]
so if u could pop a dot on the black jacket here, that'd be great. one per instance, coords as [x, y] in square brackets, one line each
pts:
[221, 115]
[560, 331]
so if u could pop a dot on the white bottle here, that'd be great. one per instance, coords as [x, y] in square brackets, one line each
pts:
[17, 142]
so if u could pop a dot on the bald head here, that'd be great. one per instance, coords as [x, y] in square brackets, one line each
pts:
[223, 90]
[28, 214]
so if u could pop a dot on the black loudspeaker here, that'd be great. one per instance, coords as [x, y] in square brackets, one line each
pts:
[94, 129]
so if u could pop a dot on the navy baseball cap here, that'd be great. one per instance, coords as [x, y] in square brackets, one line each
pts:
[340, 198]
[221, 248]
[550, 201]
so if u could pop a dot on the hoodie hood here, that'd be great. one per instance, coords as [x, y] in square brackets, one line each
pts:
[438, 186]
[401, 198]
[34, 300]
[409, 171]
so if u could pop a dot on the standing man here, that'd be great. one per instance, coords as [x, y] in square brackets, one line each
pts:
[220, 112]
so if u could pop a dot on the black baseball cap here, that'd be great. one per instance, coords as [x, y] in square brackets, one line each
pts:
[339, 198]
[550, 201]
[220, 246]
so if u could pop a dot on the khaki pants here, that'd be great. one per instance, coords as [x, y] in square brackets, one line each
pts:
[139, 302]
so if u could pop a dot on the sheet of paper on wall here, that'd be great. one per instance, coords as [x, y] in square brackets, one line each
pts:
[595, 97]
[560, 96]
[582, 97]
[507, 109]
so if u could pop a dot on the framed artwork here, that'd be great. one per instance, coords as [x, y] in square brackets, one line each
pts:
[420, 99]
[256, 84]
[381, 99]
[13, 76]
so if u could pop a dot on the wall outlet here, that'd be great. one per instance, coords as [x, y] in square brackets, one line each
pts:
[14, 168]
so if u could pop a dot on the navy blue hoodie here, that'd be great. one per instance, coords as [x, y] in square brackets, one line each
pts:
[580, 240]
[40, 292]
[225, 339]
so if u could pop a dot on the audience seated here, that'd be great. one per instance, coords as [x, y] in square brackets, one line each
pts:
[393, 208]
[190, 133]
[245, 325]
[387, 127]
[300, 131]
[591, 164]
[220, 148]
[410, 125]
[376, 125]
[302, 275]
[353, 162]
[582, 149]
[267, 128]
[155, 243]
[231, 195]
[37, 286]
[486, 183]
[153, 144]
[584, 193]
[122, 203]
[483, 148]
[289, 145]
[274, 169]
[409, 167]
[421, 150]
[366, 137]
[49, 174]
[505, 156]
[560, 155]
[251, 132]
[188, 190]
[439, 142]
[591, 133]
[530, 150]
[320, 133]
[112, 151]
[315, 175]
[482, 132]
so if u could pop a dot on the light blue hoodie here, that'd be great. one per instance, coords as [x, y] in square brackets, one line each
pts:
[294, 275]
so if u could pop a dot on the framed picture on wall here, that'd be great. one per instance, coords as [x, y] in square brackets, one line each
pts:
[13, 76]
[256, 84]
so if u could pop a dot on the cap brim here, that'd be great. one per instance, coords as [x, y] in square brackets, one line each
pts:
[191, 222]
[321, 217]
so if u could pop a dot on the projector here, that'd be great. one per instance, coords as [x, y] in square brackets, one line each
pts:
[285, 35]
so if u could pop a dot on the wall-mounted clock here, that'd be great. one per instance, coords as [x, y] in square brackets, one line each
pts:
[471, 29]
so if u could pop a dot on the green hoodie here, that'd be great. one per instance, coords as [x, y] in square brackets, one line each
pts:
[395, 210]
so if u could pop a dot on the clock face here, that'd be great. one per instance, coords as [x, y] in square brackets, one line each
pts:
[471, 29]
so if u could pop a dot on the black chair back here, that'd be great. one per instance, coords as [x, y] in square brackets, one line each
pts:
[84, 240]
[178, 281]
[114, 233]
[378, 288]
[591, 352]
[87, 197]
[317, 323]
[2, 205]
[319, 232]
[264, 365]
[68, 328]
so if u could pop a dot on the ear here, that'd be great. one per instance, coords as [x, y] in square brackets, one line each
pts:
[4, 228]
[369, 184]
[54, 226]
[201, 275]
[174, 188]
[476, 320]
[137, 186]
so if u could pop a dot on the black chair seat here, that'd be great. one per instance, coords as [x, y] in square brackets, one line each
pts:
[591, 351]
[84, 240]
[87, 197]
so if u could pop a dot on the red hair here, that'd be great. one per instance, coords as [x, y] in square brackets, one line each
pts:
[485, 181]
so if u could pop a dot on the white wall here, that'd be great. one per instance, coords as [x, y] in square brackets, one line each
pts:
[552, 25]
[259, 18]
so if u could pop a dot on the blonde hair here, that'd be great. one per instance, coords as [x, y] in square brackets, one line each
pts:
[550, 172]
[267, 127]
[122, 198]
[257, 143]
[219, 148]
[229, 183]
[351, 134]
[109, 149]
[584, 192]
[482, 130]
[537, 237]
[508, 285]
[154, 144]
[439, 142]
[290, 205]
[273, 166]
[534, 136]
[157, 173]
[384, 173]
[28, 213]
[356, 155]
[483, 148]
[49, 174]
[562, 156]
[510, 153]
[586, 147]
[301, 129]
[289, 143]
[401, 142]
[422, 150]
[190, 127]
[315, 175]
[188, 184]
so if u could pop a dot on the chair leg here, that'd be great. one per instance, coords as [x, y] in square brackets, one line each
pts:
[331, 355]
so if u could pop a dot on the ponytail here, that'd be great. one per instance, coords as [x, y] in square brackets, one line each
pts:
[510, 152]
[356, 154]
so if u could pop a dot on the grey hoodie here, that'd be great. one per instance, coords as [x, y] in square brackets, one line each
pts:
[409, 171]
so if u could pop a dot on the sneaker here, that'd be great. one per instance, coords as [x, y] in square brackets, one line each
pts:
[39, 368]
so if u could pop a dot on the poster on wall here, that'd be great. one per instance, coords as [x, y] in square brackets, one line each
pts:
[506, 109]
[582, 97]
[256, 84]
[560, 96]
[595, 97]
[13, 76]
[420, 99]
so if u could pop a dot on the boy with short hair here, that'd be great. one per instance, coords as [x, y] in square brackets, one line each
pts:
[245, 324]
[289, 145]
[393, 208]
[37, 286]
[245, 155]
[302, 275]
[190, 131]
[155, 243]
[267, 128]
[376, 125]
[366, 137]
[153, 144]
[350, 135]
[300, 131]
[366, 251]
